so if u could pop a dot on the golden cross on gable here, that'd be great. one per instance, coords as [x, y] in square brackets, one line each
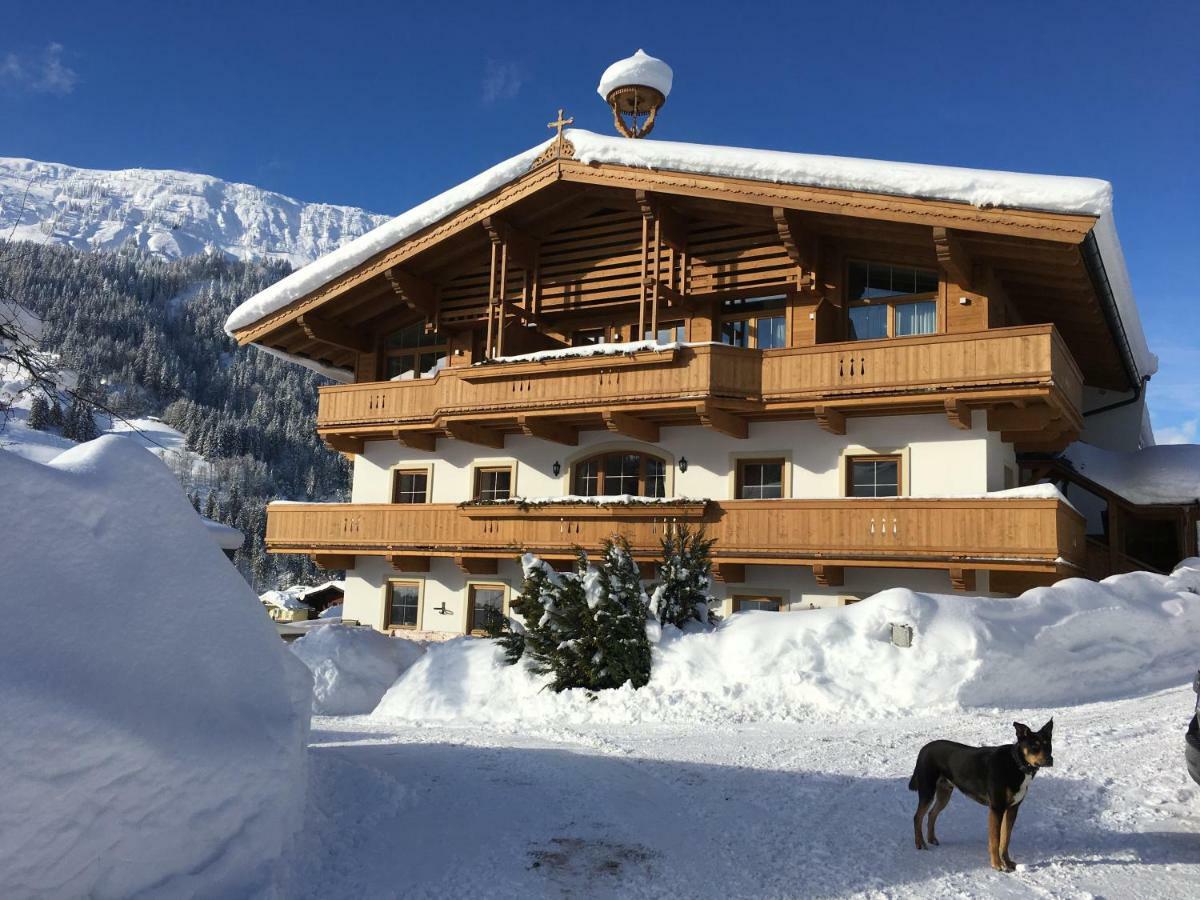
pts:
[559, 123]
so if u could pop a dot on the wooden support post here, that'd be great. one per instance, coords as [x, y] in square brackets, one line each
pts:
[489, 347]
[829, 576]
[729, 573]
[333, 560]
[548, 430]
[830, 419]
[631, 426]
[319, 329]
[722, 421]
[952, 257]
[645, 275]
[477, 565]
[963, 579]
[409, 563]
[501, 310]
[475, 434]
[959, 414]
[416, 440]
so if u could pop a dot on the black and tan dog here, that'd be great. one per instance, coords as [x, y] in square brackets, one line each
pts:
[997, 777]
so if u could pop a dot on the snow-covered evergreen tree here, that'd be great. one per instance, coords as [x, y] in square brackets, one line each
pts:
[683, 594]
[39, 413]
[619, 607]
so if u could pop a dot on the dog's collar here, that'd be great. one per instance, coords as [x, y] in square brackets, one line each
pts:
[1022, 764]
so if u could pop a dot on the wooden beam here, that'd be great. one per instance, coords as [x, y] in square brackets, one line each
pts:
[319, 329]
[830, 419]
[729, 573]
[829, 576]
[475, 434]
[414, 292]
[333, 560]
[959, 414]
[952, 256]
[673, 227]
[416, 440]
[343, 443]
[523, 249]
[631, 426]
[477, 565]
[1011, 418]
[409, 563]
[722, 421]
[962, 579]
[548, 430]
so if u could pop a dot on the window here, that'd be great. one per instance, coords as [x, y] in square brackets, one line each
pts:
[890, 301]
[413, 352]
[493, 484]
[751, 602]
[411, 486]
[620, 472]
[758, 322]
[485, 604]
[587, 337]
[873, 476]
[759, 479]
[404, 604]
[668, 332]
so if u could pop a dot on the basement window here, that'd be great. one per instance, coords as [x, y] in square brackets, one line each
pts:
[404, 604]
[485, 604]
[747, 602]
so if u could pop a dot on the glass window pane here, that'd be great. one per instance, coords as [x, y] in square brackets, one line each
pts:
[431, 362]
[400, 365]
[735, 333]
[402, 611]
[671, 332]
[761, 481]
[486, 604]
[621, 471]
[927, 282]
[903, 280]
[587, 478]
[587, 337]
[874, 478]
[916, 318]
[772, 333]
[856, 281]
[868, 322]
[495, 484]
[656, 477]
[410, 487]
[879, 280]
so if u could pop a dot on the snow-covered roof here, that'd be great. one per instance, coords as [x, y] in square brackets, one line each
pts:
[1166, 474]
[978, 187]
[226, 536]
[639, 69]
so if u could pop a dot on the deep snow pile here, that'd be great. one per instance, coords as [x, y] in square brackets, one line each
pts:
[154, 724]
[1075, 642]
[352, 667]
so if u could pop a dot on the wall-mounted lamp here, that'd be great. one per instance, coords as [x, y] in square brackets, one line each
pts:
[556, 468]
[683, 464]
[964, 301]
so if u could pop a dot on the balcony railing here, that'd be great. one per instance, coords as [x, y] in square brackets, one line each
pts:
[1035, 535]
[1029, 364]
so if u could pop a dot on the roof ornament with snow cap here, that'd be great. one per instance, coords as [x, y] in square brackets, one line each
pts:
[636, 88]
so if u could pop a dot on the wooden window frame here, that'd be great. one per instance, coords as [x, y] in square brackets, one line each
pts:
[480, 470]
[736, 600]
[427, 471]
[469, 604]
[674, 324]
[893, 301]
[739, 481]
[603, 455]
[419, 584]
[389, 353]
[852, 458]
[783, 292]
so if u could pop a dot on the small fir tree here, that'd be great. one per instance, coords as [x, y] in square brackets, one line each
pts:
[57, 417]
[684, 595]
[39, 413]
[619, 607]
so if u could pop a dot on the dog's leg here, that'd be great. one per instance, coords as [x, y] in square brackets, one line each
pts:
[994, 816]
[922, 807]
[944, 790]
[1006, 827]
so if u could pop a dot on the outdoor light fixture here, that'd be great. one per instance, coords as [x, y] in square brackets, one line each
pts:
[683, 464]
[556, 468]
[636, 88]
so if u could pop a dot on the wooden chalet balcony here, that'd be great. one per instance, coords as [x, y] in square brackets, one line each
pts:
[1003, 534]
[1027, 367]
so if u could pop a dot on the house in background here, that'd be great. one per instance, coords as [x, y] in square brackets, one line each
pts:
[299, 604]
[834, 366]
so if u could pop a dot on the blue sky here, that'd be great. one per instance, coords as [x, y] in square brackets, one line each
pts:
[381, 105]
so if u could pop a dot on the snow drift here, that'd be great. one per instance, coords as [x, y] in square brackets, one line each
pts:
[1075, 642]
[154, 724]
[352, 667]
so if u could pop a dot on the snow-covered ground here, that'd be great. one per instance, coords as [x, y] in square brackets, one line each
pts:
[797, 809]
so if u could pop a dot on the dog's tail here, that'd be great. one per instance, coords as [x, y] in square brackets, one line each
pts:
[912, 782]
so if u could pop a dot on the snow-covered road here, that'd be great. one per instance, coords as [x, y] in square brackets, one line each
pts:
[767, 810]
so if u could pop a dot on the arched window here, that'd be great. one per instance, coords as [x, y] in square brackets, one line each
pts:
[620, 472]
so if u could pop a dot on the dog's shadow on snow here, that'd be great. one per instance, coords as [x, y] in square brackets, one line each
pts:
[553, 821]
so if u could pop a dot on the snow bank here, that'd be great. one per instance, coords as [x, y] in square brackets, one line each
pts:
[978, 187]
[1166, 474]
[155, 725]
[1076, 642]
[352, 667]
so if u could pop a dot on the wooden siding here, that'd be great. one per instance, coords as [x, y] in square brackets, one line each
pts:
[1029, 535]
[906, 374]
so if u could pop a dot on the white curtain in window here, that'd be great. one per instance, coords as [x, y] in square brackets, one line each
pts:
[916, 318]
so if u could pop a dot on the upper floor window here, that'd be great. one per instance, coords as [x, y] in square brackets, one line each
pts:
[759, 479]
[620, 472]
[668, 332]
[410, 486]
[413, 352]
[589, 336]
[493, 483]
[873, 476]
[890, 301]
[757, 322]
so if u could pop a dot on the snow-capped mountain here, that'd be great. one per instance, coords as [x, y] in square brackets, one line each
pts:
[173, 214]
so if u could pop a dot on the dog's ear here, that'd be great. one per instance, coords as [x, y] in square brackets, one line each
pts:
[1023, 731]
[1048, 728]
